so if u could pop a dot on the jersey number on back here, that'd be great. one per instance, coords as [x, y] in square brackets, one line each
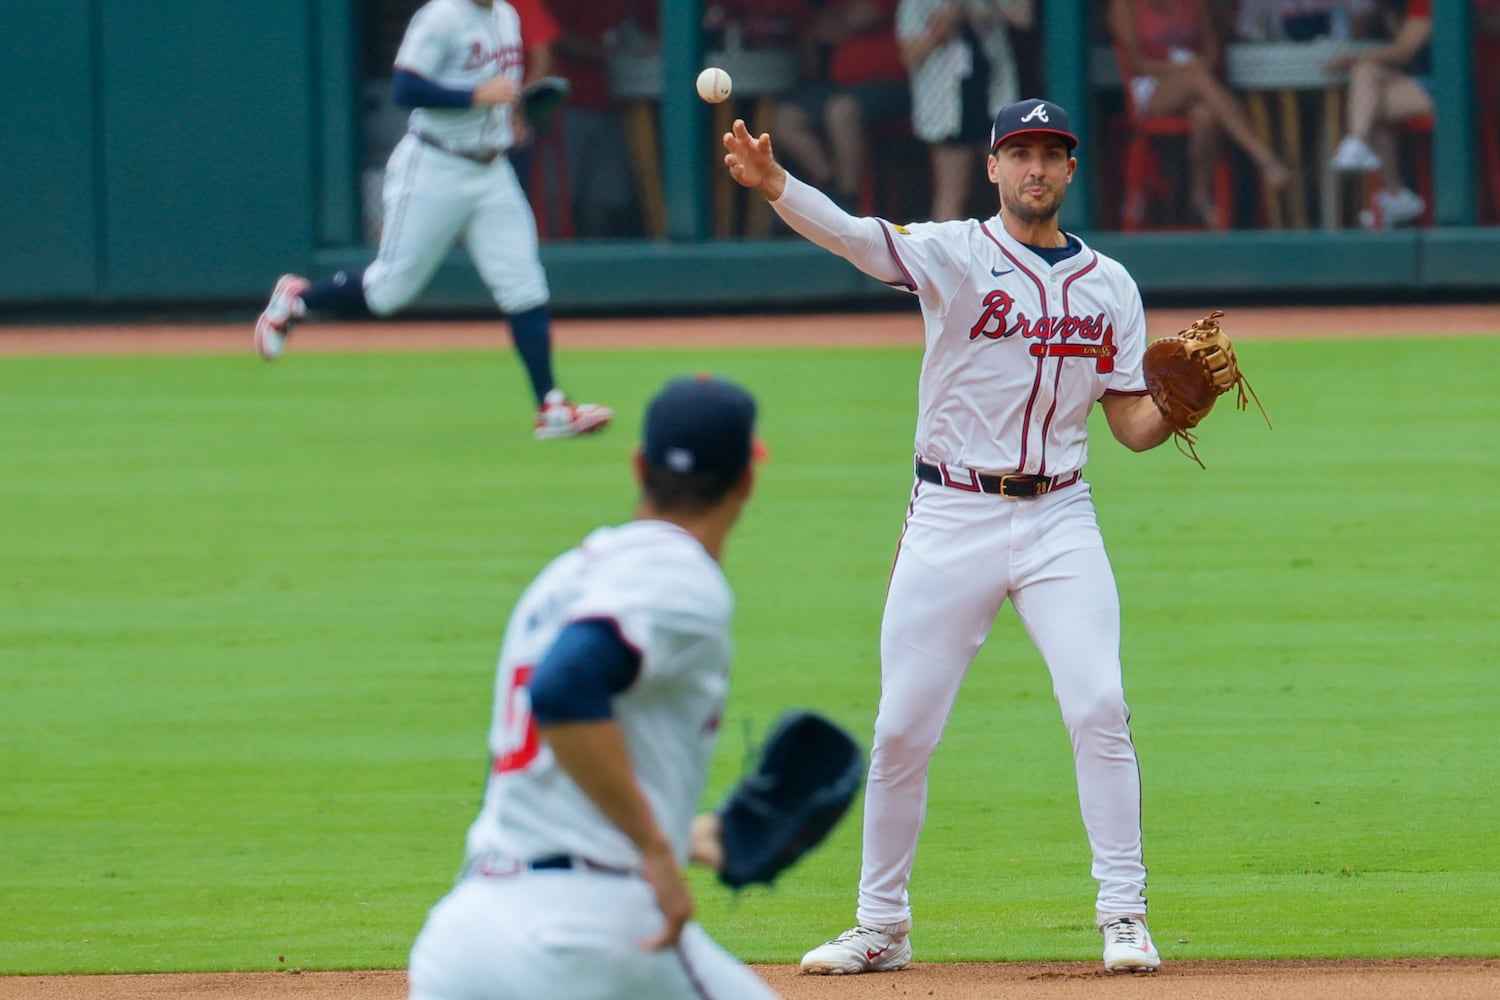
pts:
[519, 729]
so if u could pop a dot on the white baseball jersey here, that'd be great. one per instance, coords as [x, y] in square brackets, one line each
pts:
[459, 44]
[670, 601]
[1017, 350]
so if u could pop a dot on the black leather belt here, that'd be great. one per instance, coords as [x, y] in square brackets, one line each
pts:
[483, 157]
[1013, 485]
[495, 868]
[568, 861]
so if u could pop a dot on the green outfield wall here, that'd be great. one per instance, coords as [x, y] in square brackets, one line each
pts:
[157, 158]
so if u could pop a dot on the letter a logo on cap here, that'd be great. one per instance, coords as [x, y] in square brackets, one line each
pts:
[1038, 113]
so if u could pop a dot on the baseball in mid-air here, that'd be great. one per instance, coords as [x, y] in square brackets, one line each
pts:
[714, 85]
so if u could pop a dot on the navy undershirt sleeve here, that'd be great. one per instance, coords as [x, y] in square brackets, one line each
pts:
[411, 90]
[587, 665]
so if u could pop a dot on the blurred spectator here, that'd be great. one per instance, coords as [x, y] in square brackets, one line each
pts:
[752, 24]
[1171, 57]
[605, 202]
[1387, 85]
[1487, 53]
[1487, 103]
[963, 71]
[1305, 20]
[823, 125]
[539, 31]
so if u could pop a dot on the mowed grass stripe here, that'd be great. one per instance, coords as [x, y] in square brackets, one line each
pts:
[248, 617]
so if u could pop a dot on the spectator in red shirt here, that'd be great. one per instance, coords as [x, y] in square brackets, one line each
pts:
[605, 201]
[823, 125]
[539, 32]
[1487, 53]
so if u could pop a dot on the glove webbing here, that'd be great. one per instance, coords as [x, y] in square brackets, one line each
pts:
[1187, 441]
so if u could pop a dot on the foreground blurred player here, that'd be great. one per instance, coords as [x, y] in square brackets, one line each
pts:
[611, 685]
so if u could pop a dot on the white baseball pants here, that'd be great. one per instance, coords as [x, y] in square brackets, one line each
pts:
[960, 556]
[566, 935]
[431, 199]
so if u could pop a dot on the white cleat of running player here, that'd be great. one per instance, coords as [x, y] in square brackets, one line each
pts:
[279, 316]
[560, 418]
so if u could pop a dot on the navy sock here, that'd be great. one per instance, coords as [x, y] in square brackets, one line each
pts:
[344, 294]
[532, 333]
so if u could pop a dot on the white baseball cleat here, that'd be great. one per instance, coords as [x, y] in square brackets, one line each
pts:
[280, 315]
[1128, 947]
[862, 949]
[560, 418]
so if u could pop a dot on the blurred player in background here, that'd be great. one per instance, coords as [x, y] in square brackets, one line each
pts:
[459, 69]
[610, 689]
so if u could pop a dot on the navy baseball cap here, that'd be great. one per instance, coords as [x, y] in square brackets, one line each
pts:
[1032, 115]
[701, 424]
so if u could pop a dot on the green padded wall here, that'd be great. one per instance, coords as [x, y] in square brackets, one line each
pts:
[208, 114]
[49, 245]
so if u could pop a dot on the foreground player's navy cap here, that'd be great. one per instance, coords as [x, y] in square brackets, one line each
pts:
[701, 424]
[1032, 115]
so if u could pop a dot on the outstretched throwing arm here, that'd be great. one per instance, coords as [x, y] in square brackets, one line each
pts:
[810, 212]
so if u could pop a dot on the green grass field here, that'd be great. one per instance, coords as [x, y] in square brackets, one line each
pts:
[248, 618]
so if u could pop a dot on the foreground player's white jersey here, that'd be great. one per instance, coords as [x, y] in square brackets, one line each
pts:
[459, 44]
[1018, 351]
[669, 600]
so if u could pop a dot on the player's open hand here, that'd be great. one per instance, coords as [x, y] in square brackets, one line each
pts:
[660, 870]
[750, 161]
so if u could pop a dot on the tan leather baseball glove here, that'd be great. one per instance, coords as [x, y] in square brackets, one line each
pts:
[1186, 374]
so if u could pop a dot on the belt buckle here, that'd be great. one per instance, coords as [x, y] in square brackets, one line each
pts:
[1037, 484]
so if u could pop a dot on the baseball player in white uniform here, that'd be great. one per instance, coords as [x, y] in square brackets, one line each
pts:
[1026, 329]
[459, 68]
[611, 685]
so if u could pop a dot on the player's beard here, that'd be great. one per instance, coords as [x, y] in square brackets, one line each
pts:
[1030, 213]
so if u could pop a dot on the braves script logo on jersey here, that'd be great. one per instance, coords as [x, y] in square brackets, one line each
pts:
[1094, 335]
[504, 57]
[1036, 114]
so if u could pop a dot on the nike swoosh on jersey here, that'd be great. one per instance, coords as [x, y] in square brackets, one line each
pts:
[996, 274]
